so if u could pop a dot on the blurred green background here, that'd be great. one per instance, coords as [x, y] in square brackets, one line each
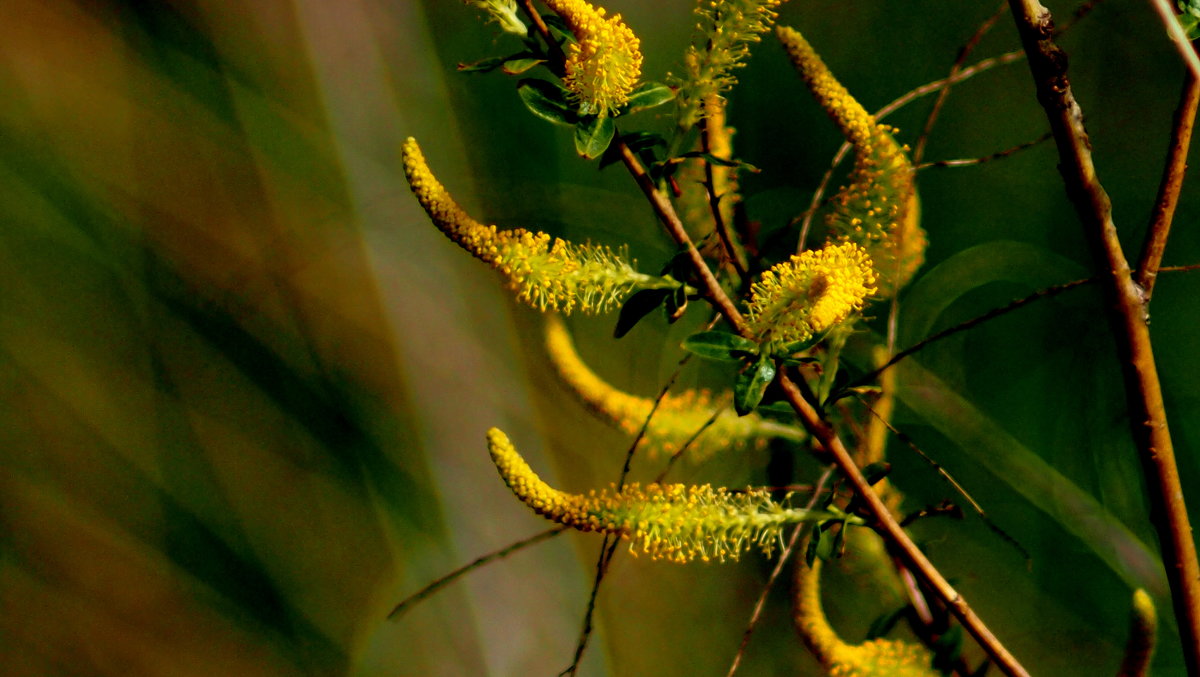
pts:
[244, 383]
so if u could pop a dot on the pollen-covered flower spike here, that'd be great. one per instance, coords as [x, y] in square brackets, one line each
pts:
[873, 658]
[546, 274]
[878, 208]
[605, 62]
[678, 417]
[811, 292]
[676, 522]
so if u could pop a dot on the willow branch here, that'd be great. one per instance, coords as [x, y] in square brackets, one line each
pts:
[1169, 188]
[820, 429]
[1048, 65]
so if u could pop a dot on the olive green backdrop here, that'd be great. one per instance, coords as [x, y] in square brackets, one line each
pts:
[244, 383]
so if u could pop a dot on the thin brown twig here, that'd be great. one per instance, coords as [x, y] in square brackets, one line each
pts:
[819, 428]
[967, 162]
[784, 557]
[1148, 416]
[1169, 188]
[903, 100]
[447, 579]
[1046, 293]
[919, 147]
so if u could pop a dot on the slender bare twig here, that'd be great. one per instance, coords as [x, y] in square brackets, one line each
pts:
[903, 100]
[967, 162]
[919, 147]
[1148, 417]
[449, 578]
[1046, 293]
[1168, 190]
[784, 557]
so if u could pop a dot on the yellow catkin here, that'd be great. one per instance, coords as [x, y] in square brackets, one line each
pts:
[675, 522]
[810, 293]
[605, 62]
[873, 658]
[546, 273]
[878, 209]
[677, 418]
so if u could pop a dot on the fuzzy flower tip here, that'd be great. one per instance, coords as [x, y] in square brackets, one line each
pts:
[726, 29]
[675, 522]
[878, 208]
[504, 13]
[604, 63]
[810, 293]
[544, 273]
[678, 417]
[874, 658]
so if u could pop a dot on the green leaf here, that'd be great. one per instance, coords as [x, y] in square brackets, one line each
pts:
[648, 95]
[547, 101]
[751, 384]
[558, 28]
[593, 136]
[518, 66]
[637, 306]
[720, 346]
[483, 65]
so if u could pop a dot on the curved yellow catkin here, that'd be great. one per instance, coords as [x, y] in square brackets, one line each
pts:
[810, 293]
[1143, 633]
[873, 658]
[605, 62]
[548, 274]
[677, 418]
[675, 522]
[878, 208]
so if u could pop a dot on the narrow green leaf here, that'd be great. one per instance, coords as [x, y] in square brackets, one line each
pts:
[593, 136]
[547, 101]
[720, 346]
[483, 65]
[648, 95]
[751, 385]
[637, 306]
[518, 66]
[676, 304]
